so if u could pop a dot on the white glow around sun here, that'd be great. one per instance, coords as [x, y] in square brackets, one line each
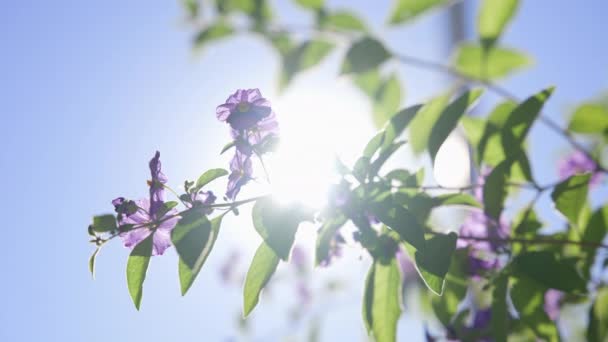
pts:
[316, 126]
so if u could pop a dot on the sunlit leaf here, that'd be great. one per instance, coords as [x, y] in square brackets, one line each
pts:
[193, 237]
[303, 57]
[546, 269]
[381, 300]
[598, 317]
[263, 266]
[495, 189]
[421, 126]
[454, 290]
[399, 219]
[448, 119]
[494, 15]
[311, 4]
[398, 123]
[387, 100]
[475, 62]
[528, 299]
[570, 196]
[137, 266]
[364, 55]
[368, 82]
[589, 118]
[520, 120]
[212, 33]
[325, 235]
[405, 10]
[277, 224]
[209, 176]
[345, 21]
[434, 261]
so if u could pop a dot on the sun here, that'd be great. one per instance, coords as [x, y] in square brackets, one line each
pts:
[316, 127]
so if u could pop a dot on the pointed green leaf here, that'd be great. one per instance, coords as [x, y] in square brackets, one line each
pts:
[303, 57]
[364, 55]
[387, 100]
[399, 219]
[589, 118]
[345, 21]
[475, 62]
[213, 32]
[277, 224]
[546, 269]
[311, 4]
[209, 176]
[455, 288]
[385, 300]
[528, 299]
[193, 237]
[598, 317]
[405, 10]
[495, 189]
[92, 262]
[449, 119]
[570, 197]
[263, 266]
[137, 266]
[494, 15]
[422, 124]
[434, 261]
[520, 121]
[398, 123]
[324, 237]
[368, 298]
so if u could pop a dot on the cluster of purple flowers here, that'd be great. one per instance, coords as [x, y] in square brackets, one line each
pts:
[578, 162]
[477, 224]
[253, 125]
[138, 219]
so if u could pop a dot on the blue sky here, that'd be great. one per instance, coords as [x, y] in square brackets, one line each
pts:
[89, 90]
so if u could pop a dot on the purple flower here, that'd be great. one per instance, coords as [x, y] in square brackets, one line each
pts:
[299, 258]
[144, 220]
[157, 185]
[202, 198]
[144, 225]
[244, 109]
[303, 292]
[255, 135]
[241, 173]
[478, 265]
[552, 303]
[578, 162]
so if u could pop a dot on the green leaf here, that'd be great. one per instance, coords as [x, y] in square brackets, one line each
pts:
[595, 231]
[546, 269]
[494, 15]
[455, 288]
[589, 118]
[263, 266]
[398, 123]
[408, 9]
[528, 298]
[374, 145]
[499, 321]
[211, 33]
[277, 224]
[598, 317]
[381, 300]
[192, 7]
[570, 197]
[345, 21]
[325, 235]
[475, 62]
[303, 57]
[228, 146]
[365, 54]
[311, 4]
[209, 176]
[92, 262]
[521, 119]
[368, 82]
[399, 219]
[449, 119]
[434, 261]
[387, 100]
[495, 189]
[193, 237]
[137, 266]
[104, 223]
[422, 124]
[458, 199]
